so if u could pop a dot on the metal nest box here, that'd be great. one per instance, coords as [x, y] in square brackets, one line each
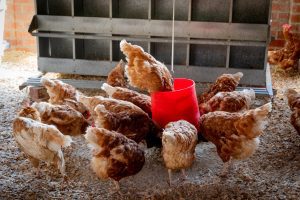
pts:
[212, 37]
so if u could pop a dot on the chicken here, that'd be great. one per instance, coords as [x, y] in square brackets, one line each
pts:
[40, 142]
[224, 83]
[179, 141]
[229, 101]
[123, 117]
[116, 77]
[294, 104]
[141, 100]
[144, 71]
[287, 57]
[62, 93]
[114, 155]
[65, 118]
[235, 135]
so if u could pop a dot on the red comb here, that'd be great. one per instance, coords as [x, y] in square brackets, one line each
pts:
[287, 26]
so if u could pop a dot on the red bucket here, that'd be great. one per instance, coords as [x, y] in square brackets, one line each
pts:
[176, 105]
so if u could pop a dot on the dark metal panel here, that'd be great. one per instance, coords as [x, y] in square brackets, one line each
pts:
[247, 57]
[209, 74]
[208, 55]
[162, 9]
[134, 9]
[102, 68]
[92, 8]
[54, 7]
[93, 49]
[210, 11]
[61, 48]
[205, 30]
[44, 50]
[70, 66]
[162, 52]
[154, 39]
[254, 11]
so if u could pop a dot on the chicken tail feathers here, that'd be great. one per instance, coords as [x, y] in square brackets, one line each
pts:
[67, 141]
[47, 82]
[262, 112]
[237, 76]
[291, 96]
[110, 90]
[250, 92]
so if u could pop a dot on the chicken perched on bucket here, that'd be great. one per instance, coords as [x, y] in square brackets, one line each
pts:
[144, 71]
[114, 155]
[229, 101]
[179, 141]
[235, 135]
[40, 142]
[224, 83]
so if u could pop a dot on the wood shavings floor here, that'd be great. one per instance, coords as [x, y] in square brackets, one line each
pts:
[272, 173]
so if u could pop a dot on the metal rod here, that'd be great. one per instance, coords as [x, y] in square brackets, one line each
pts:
[173, 34]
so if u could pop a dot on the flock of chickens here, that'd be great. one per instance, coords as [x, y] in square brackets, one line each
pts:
[114, 126]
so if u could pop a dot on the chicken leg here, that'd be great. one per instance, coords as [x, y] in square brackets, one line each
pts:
[225, 170]
[184, 176]
[170, 177]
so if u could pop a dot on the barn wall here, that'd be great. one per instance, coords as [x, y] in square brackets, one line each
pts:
[17, 19]
[284, 11]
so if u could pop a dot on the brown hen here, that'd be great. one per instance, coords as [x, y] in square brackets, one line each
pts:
[123, 117]
[229, 101]
[224, 83]
[114, 155]
[40, 142]
[235, 135]
[141, 100]
[288, 56]
[65, 118]
[294, 104]
[116, 77]
[179, 141]
[62, 93]
[144, 71]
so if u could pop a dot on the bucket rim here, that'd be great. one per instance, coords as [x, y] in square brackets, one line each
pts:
[175, 91]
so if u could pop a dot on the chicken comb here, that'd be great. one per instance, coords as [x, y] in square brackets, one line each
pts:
[287, 26]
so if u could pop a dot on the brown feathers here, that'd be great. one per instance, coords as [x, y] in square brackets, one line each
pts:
[234, 134]
[224, 83]
[114, 155]
[144, 71]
